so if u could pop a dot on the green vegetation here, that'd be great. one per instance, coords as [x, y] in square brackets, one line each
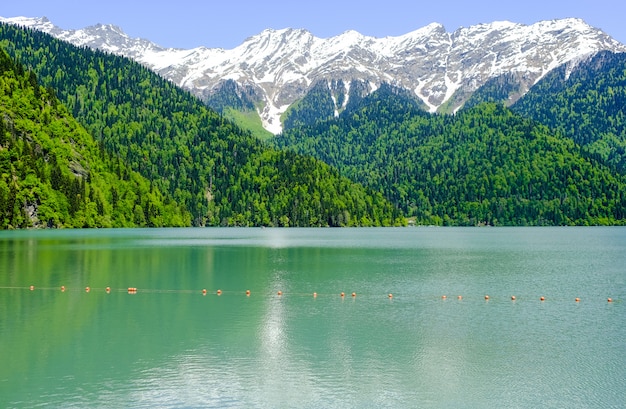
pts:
[587, 105]
[316, 105]
[53, 174]
[249, 120]
[221, 174]
[557, 157]
[504, 89]
[485, 165]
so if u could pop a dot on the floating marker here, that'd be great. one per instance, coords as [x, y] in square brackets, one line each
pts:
[577, 299]
[609, 299]
[63, 288]
[219, 292]
[204, 291]
[543, 298]
[443, 297]
[280, 293]
[248, 292]
[486, 297]
[460, 297]
[343, 294]
[32, 288]
[132, 290]
[314, 295]
[390, 295]
[87, 289]
[353, 295]
[108, 290]
[513, 298]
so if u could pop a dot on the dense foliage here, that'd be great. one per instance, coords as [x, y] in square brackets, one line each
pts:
[586, 103]
[220, 173]
[53, 173]
[485, 165]
[505, 89]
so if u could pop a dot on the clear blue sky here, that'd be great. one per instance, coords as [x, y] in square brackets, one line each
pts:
[191, 23]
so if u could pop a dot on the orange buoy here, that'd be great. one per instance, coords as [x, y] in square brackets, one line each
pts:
[314, 295]
[280, 292]
[353, 294]
[609, 299]
[204, 291]
[62, 288]
[87, 289]
[248, 292]
[219, 292]
[390, 295]
[460, 297]
[486, 297]
[513, 298]
[577, 299]
[132, 290]
[542, 298]
[32, 288]
[343, 294]
[108, 290]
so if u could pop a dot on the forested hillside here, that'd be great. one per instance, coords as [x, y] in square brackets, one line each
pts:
[219, 173]
[53, 174]
[485, 165]
[586, 103]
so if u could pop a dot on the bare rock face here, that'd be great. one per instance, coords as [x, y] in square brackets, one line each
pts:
[280, 66]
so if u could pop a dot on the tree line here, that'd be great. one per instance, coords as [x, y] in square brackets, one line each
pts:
[205, 163]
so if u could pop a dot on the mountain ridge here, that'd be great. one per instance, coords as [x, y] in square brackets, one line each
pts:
[441, 68]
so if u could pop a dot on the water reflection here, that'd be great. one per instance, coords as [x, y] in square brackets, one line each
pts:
[168, 345]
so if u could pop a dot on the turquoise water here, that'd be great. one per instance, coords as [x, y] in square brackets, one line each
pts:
[169, 345]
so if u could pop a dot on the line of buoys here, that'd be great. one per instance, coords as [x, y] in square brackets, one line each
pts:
[133, 290]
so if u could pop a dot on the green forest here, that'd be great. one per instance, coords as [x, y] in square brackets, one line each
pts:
[586, 103]
[482, 166]
[216, 172]
[55, 175]
[89, 139]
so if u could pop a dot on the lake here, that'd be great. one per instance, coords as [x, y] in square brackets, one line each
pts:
[397, 343]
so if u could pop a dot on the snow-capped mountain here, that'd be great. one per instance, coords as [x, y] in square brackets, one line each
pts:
[441, 68]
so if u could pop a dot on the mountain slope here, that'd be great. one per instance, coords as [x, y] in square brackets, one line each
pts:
[223, 175]
[280, 66]
[484, 165]
[585, 101]
[55, 175]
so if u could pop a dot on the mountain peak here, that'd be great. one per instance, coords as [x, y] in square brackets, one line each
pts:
[280, 66]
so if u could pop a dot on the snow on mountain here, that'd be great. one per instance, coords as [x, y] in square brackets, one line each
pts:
[441, 68]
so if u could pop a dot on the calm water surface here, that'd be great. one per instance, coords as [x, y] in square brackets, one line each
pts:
[171, 346]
